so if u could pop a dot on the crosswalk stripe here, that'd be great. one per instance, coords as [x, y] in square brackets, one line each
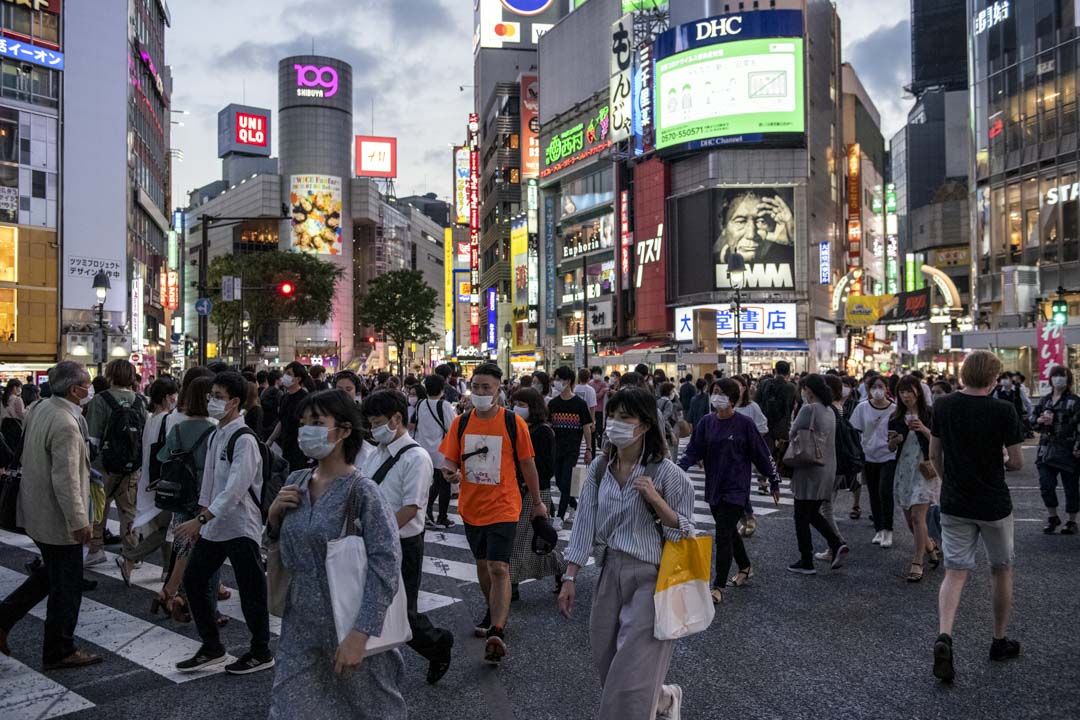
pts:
[149, 646]
[26, 694]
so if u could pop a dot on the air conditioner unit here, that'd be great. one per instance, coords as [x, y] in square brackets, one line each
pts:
[1019, 289]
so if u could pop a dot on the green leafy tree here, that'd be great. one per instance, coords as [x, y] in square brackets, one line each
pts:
[311, 302]
[402, 306]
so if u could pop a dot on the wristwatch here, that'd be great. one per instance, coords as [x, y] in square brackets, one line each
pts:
[202, 519]
[569, 578]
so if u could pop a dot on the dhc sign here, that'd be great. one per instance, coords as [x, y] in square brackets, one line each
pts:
[719, 27]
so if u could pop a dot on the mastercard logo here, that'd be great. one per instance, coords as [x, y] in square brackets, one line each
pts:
[507, 30]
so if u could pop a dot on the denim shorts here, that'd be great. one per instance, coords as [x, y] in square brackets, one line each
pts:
[960, 540]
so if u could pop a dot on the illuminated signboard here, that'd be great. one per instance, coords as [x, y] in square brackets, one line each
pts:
[625, 238]
[474, 227]
[448, 290]
[825, 264]
[316, 82]
[519, 262]
[730, 78]
[244, 130]
[376, 156]
[761, 321]
[159, 82]
[580, 141]
[461, 185]
[530, 126]
[315, 206]
[492, 320]
[516, 24]
[173, 250]
[136, 313]
[25, 52]
[251, 130]
[169, 287]
[993, 14]
[620, 86]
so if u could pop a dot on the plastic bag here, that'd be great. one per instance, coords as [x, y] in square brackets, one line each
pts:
[683, 603]
[346, 573]
[577, 480]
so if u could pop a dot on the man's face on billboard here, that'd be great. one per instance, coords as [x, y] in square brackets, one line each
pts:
[741, 227]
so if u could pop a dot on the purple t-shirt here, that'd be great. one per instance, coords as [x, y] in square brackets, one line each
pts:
[728, 447]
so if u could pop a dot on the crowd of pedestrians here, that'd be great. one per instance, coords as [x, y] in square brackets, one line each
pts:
[268, 469]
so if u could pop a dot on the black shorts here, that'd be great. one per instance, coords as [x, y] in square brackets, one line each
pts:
[494, 543]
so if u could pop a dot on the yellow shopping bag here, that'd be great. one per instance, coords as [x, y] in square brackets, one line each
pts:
[97, 502]
[683, 603]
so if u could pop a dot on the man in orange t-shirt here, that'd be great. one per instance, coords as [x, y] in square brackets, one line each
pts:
[489, 498]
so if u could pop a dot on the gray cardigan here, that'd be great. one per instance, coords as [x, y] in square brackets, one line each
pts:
[816, 482]
[55, 485]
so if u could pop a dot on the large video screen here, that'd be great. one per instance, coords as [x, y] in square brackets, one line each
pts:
[746, 87]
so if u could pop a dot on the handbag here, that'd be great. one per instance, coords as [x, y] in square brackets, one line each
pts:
[346, 574]
[277, 580]
[683, 603]
[684, 429]
[807, 448]
[577, 480]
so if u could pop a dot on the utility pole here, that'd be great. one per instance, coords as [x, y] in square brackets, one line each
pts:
[204, 276]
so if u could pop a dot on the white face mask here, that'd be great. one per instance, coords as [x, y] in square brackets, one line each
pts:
[558, 386]
[1059, 382]
[89, 396]
[412, 401]
[217, 408]
[878, 393]
[315, 441]
[482, 402]
[720, 401]
[845, 392]
[522, 412]
[384, 434]
[621, 434]
[596, 376]
[1006, 384]
[287, 381]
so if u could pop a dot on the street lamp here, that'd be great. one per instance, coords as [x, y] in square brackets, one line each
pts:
[507, 331]
[736, 270]
[246, 325]
[101, 290]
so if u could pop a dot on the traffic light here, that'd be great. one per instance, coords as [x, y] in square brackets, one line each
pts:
[371, 339]
[286, 288]
[1060, 313]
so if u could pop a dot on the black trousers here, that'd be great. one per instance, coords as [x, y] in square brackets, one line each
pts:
[728, 541]
[207, 556]
[440, 488]
[564, 473]
[430, 642]
[598, 432]
[807, 515]
[58, 578]
[879, 485]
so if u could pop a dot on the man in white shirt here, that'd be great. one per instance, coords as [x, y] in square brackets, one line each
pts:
[431, 420]
[229, 525]
[402, 469]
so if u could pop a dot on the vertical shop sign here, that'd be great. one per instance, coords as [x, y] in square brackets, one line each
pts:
[474, 227]
[530, 126]
[620, 94]
[625, 239]
[549, 265]
[448, 290]
[1051, 352]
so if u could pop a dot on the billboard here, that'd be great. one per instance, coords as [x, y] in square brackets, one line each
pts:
[315, 206]
[530, 126]
[756, 321]
[314, 81]
[448, 291]
[620, 87]
[243, 129]
[461, 185]
[515, 24]
[519, 258]
[376, 156]
[585, 138]
[731, 78]
[866, 310]
[474, 227]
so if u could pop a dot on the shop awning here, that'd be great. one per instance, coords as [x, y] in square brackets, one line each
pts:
[769, 345]
[641, 347]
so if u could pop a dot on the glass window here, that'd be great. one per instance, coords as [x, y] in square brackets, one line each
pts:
[49, 27]
[19, 20]
[9, 141]
[9, 193]
[8, 254]
[1070, 224]
[1030, 199]
[1030, 105]
[1048, 219]
[38, 184]
[1067, 88]
[1015, 238]
[7, 314]
[1025, 27]
[1045, 35]
[1047, 98]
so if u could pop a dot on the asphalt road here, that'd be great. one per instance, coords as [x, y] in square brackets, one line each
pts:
[850, 644]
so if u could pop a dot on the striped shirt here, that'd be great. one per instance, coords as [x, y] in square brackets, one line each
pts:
[620, 519]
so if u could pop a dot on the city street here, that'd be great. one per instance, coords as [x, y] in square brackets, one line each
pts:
[850, 644]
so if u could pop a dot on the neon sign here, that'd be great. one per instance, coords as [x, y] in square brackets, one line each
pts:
[567, 147]
[311, 81]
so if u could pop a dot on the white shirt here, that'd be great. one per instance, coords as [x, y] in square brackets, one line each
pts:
[874, 426]
[429, 433]
[145, 510]
[225, 486]
[407, 482]
[753, 411]
[587, 394]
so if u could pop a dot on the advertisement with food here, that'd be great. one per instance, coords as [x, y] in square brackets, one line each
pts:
[315, 206]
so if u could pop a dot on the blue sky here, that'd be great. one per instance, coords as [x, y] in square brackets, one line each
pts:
[409, 58]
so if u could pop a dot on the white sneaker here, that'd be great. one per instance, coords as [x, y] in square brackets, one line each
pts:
[556, 522]
[824, 555]
[878, 537]
[674, 709]
[886, 538]
[570, 515]
[94, 558]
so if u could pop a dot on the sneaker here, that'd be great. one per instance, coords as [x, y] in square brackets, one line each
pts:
[801, 569]
[674, 710]
[568, 519]
[556, 523]
[201, 661]
[824, 556]
[482, 627]
[445, 522]
[1004, 649]
[249, 664]
[841, 557]
[750, 526]
[495, 649]
[886, 538]
[429, 523]
[95, 557]
[877, 537]
[943, 659]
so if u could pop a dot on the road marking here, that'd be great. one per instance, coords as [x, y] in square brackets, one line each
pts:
[26, 694]
[138, 641]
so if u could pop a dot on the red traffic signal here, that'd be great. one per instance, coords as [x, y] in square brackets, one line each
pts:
[371, 339]
[286, 288]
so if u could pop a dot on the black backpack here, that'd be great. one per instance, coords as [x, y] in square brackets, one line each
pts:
[849, 451]
[511, 430]
[275, 471]
[177, 487]
[11, 440]
[121, 445]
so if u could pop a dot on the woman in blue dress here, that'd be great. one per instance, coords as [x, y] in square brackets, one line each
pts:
[315, 675]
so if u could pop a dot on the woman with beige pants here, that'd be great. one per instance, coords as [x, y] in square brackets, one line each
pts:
[633, 500]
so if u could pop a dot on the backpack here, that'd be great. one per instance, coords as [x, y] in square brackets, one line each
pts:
[438, 411]
[121, 445]
[177, 487]
[275, 471]
[849, 451]
[389, 464]
[11, 441]
[511, 430]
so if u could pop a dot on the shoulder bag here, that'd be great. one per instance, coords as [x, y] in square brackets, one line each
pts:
[277, 576]
[807, 448]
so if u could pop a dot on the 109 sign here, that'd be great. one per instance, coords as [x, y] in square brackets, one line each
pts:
[314, 81]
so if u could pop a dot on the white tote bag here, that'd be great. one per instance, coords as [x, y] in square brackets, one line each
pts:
[577, 480]
[346, 574]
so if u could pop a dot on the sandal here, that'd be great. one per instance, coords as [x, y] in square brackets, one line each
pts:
[179, 610]
[162, 602]
[914, 577]
[222, 620]
[745, 576]
[717, 596]
[855, 513]
[125, 573]
[935, 556]
[223, 593]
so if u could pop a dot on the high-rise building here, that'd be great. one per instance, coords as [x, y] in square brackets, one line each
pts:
[117, 177]
[937, 59]
[32, 63]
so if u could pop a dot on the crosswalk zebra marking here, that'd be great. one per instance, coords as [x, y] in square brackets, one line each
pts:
[26, 694]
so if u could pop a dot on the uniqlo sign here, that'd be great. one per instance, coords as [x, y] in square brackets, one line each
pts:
[251, 129]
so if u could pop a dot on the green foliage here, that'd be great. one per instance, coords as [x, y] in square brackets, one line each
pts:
[311, 302]
[402, 306]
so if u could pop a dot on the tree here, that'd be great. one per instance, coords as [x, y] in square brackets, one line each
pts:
[311, 301]
[402, 306]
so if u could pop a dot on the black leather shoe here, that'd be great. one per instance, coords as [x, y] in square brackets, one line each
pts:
[438, 668]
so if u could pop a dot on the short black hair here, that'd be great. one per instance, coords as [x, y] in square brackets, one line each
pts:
[434, 385]
[338, 405]
[218, 367]
[490, 369]
[272, 377]
[161, 389]
[261, 377]
[564, 373]
[444, 370]
[382, 377]
[232, 383]
[783, 367]
[641, 369]
[632, 379]
[350, 376]
[816, 384]
[385, 403]
[299, 370]
[728, 387]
